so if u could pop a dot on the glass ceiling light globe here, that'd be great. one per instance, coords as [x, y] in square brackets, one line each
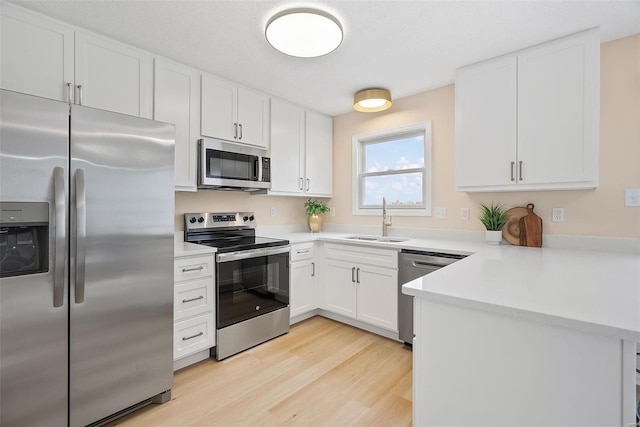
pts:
[304, 33]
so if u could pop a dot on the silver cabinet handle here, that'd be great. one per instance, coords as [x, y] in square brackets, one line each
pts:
[300, 183]
[79, 94]
[358, 275]
[520, 164]
[235, 131]
[308, 182]
[240, 126]
[353, 273]
[193, 336]
[184, 270]
[69, 92]
[513, 164]
[192, 299]
[81, 234]
[303, 251]
[313, 269]
[60, 223]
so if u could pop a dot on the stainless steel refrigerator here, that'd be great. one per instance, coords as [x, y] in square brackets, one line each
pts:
[86, 262]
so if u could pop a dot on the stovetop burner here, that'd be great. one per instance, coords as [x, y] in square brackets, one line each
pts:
[228, 231]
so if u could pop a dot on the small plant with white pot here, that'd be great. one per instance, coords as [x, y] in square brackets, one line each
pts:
[493, 218]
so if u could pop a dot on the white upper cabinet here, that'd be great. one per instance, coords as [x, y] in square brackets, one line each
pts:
[113, 76]
[530, 120]
[301, 151]
[234, 113]
[318, 154]
[45, 58]
[176, 101]
[287, 149]
[36, 54]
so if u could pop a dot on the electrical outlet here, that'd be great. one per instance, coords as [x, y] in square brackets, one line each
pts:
[441, 213]
[632, 196]
[332, 211]
[464, 214]
[273, 211]
[557, 215]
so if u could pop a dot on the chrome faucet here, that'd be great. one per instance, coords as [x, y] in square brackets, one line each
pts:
[386, 221]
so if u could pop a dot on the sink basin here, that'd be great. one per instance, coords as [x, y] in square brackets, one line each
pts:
[376, 239]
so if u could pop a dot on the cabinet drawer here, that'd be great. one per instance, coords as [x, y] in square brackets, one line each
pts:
[193, 335]
[302, 251]
[192, 298]
[193, 267]
[386, 258]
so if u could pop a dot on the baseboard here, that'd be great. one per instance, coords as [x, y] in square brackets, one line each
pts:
[190, 360]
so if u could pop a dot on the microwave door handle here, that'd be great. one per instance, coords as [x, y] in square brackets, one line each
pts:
[256, 172]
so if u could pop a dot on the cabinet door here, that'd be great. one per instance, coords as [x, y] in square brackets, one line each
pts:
[378, 296]
[176, 101]
[486, 124]
[303, 288]
[253, 118]
[558, 98]
[113, 76]
[338, 288]
[318, 154]
[36, 55]
[286, 147]
[218, 113]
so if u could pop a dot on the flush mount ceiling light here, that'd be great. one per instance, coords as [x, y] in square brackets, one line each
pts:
[305, 33]
[372, 100]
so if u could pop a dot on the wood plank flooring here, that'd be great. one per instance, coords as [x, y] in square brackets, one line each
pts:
[322, 373]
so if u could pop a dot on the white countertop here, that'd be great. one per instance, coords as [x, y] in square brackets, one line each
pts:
[597, 292]
[186, 249]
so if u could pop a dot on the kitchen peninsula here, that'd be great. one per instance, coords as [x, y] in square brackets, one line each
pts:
[527, 336]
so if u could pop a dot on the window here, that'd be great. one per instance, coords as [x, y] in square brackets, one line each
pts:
[395, 164]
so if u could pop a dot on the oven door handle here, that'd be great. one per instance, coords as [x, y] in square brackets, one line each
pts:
[252, 253]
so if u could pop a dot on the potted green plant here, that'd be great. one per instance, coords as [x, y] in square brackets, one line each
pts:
[493, 218]
[314, 210]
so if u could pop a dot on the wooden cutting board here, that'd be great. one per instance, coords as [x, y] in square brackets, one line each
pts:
[531, 229]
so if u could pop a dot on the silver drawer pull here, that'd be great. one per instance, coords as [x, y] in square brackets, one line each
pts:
[303, 251]
[184, 270]
[192, 299]
[193, 336]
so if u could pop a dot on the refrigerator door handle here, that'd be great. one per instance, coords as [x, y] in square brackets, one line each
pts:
[60, 221]
[81, 234]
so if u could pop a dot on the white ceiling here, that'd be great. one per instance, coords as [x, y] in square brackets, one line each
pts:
[407, 47]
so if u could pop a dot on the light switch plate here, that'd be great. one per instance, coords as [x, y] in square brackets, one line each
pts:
[464, 214]
[273, 211]
[632, 196]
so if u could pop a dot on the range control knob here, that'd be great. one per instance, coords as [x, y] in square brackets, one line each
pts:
[192, 219]
[201, 219]
[245, 218]
[251, 218]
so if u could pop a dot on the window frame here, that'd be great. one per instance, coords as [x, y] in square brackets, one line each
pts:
[357, 156]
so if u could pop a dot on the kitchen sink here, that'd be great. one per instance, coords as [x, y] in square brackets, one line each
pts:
[376, 239]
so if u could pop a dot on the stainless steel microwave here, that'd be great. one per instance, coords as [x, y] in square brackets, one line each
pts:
[229, 166]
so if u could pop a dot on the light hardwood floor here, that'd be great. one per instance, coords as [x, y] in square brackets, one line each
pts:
[322, 373]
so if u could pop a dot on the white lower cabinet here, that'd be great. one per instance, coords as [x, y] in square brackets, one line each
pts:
[361, 283]
[193, 305]
[303, 280]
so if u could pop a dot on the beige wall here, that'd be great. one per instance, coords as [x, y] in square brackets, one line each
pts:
[599, 212]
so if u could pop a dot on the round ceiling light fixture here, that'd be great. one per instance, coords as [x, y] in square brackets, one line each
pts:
[372, 100]
[304, 33]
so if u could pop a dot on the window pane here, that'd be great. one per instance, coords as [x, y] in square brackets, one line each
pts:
[398, 154]
[401, 190]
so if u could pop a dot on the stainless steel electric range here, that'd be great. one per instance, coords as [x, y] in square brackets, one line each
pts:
[252, 279]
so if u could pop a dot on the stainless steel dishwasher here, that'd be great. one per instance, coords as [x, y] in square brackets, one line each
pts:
[412, 265]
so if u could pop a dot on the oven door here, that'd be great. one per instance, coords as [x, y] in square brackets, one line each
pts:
[251, 283]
